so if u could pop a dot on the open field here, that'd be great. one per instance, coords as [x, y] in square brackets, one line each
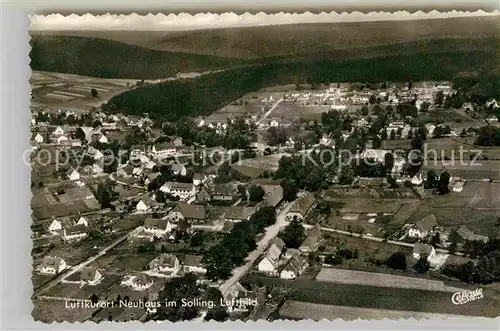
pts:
[480, 170]
[294, 112]
[382, 280]
[255, 42]
[254, 167]
[362, 296]
[76, 291]
[306, 310]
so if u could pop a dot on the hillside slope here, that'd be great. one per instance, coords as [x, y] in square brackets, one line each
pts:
[110, 59]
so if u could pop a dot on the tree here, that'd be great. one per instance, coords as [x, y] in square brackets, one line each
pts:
[94, 298]
[218, 314]
[293, 234]
[364, 110]
[160, 197]
[439, 98]
[436, 239]
[346, 175]
[410, 134]
[324, 208]
[105, 194]
[256, 193]
[422, 264]
[177, 289]
[383, 135]
[397, 261]
[431, 180]
[410, 85]
[377, 142]
[443, 183]
[94, 92]
[290, 189]
[388, 162]
[242, 191]
[393, 134]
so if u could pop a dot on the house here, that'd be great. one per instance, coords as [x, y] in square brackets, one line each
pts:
[177, 141]
[151, 177]
[310, 244]
[375, 154]
[137, 172]
[181, 190]
[192, 263]
[38, 138]
[165, 263]
[97, 169]
[82, 221]
[492, 103]
[423, 227]
[270, 262]
[418, 179]
[73, 175]
[204, 195]
[52, 265]
[61, 140]
[163, 150]
[293, 267]
[423, 249]
[138, 282]
[464, 234]
[301, 207]
[273, 195]
[90, 276]
[58, 131]
[223, 192]
[238, 213]
[199, 179]
[74, 232]
[55, 227]
[103, 139]
[178, 169]
[144, 204]
[94, 153]
[187, 212]
[157, 227]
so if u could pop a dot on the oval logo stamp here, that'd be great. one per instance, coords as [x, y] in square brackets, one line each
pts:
[460, 298]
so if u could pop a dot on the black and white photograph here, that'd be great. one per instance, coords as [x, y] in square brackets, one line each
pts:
[265, 166]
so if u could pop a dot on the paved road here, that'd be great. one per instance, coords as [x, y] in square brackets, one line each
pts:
[82, 265]
[271, 233]
[269, 111]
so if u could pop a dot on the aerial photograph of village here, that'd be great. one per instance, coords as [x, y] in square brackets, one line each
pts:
[270, 172]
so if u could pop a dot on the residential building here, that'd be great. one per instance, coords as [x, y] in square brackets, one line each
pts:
[375, 154]
[73, 175]
[145, 204]
[181, 190]
[238, 213]
[138, 282]
[52, 265]
[178, 169]
[199, 179]
[90, 276]
[270, 262]
[157, 227]
[310, 244]
[163, 150]
[189, 213]
[151, 177]
[74, 232]
[166, 264]
[224, 192]
[192, 263]
[204, 195]
[423, 227]
[301, 207]
[421, 249]
[55, 227]
[82, 221]
[293, 267]
[177, 141]
[273, 195]
[464, 234]
[38, 138]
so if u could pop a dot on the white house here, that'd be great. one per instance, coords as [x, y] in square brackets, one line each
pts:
[52, 265]
[420, 249]
[423, 227]
[38, 138]
[138, 282]
[199, 179]
[166, 264]
[96, 169]
[90, 276]
[74, 175]
[181, 190]
[270, 261]
[158, 227]
[94, 153]
[301, 207]
[103, 139]
[293, 268]
[62, 139]
[192, 263]
[418, 179]
[55, 227]
[163, 150]
[179, 169]
[82, 221]
[58, 131]
[144, 205]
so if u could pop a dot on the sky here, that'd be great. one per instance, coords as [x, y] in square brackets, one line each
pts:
[183, 21]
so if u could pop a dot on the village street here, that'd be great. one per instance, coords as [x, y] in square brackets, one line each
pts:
[271, 233]
[82, 265]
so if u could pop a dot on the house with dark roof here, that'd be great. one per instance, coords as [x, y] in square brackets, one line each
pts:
[163, 150]
[464, 234]
[74, 232]
[193, 263]
[165, 264]
[273, 195]
[178, 169]
[293, 267]
[90, 276]
[204, 195]
[224, 192]
[310, 244]
[52, 265]
[238, 213]
[199, 179]
[181, 190]
[157, 227]
[270, 262]
[188, 212]
[423, 227]
[301, 207]
[420, 249]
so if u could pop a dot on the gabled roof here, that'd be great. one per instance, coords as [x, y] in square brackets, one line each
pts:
[224, 189]
[177, 167]
[199, 176]
[191, 211]
[427, 223]
[193, 260]
[273, 194]
[75, 229]
[155, 223]
[295, 264]
[167, 260]
[312, 238]
[142, 279]
[176, 186]
[239, 212]
[466, 234]
[164, 146]
[303, 203]
[88, 273]
[274, 252]
[51, 262]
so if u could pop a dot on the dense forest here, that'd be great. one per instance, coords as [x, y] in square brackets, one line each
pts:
[208, 93]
